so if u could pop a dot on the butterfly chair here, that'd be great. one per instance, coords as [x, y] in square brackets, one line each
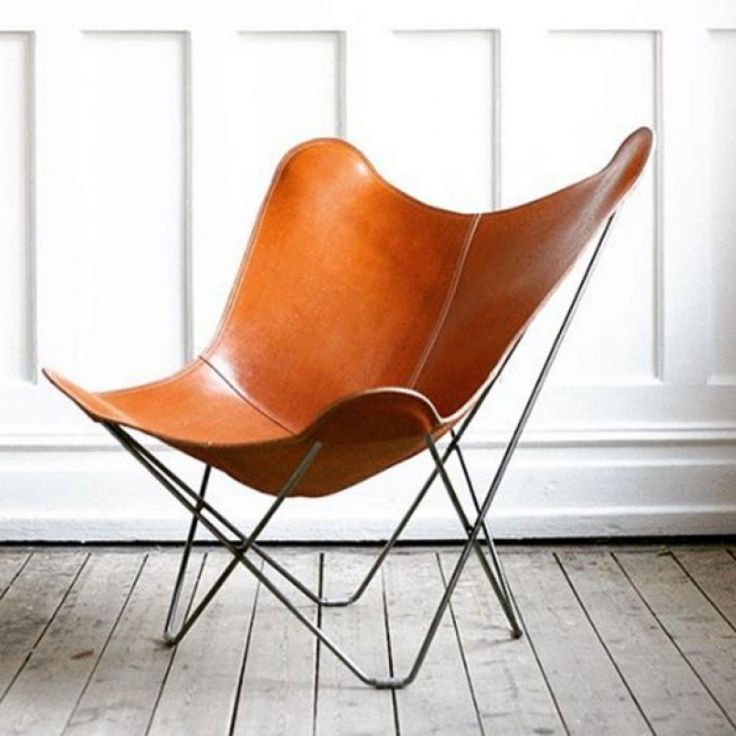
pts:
[363, 326]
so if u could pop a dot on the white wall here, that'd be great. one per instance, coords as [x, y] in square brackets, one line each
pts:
[137, 137]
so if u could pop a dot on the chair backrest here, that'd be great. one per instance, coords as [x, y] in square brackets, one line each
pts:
[350, 284]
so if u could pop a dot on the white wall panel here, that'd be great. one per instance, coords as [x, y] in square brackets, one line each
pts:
[437, 117]
[593, 88]
[281, 88]
[722, 251]
[133, 258]
[17, 278]
[287, 87]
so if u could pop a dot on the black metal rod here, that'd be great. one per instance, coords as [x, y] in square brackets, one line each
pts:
[508, 453]
[168, 625]
[500, 576]
[467, 528]
[198, 505]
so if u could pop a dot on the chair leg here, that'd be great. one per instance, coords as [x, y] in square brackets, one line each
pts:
[499, 581]
[513, 613]
[494, 577]
[370, 574]
[500, 588]
[184, 564]
[281, 570]
[209, 517]
[197, 506]
[202, 510]
[385, 551]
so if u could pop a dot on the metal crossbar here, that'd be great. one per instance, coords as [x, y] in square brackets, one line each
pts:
[245, 544]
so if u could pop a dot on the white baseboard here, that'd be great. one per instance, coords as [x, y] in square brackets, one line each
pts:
[542, 524]
[100, 494]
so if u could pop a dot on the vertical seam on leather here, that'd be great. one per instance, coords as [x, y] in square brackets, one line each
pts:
[247, 399]
[252, 242]
[451, 291]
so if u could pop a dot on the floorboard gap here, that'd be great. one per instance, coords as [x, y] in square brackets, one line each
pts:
[173, 649]
[45, 628]
[107, 642]
[389, 648]
[463, 658]
[604, 645]
[675, 644]
[243, 664]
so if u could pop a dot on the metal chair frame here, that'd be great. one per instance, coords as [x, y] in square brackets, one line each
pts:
[243, 544]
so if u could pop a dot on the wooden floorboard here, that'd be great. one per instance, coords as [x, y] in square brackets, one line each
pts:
[200, 689]
[42, 697]
[123, 690]
[512, 695]
[714, 572]
[440, 701]
[345, 706]
[277, 690]
[699, 632]
[29, 606]
[669, 693]
[619, 641]
[590, 692]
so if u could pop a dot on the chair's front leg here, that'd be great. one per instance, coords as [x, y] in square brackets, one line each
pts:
[198, 507]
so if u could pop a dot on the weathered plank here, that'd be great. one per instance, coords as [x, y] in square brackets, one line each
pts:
[675, 658]
[589, 691]
[345, 706]
[200, 691]
[440, 700]
[668, 692]
[510, 690]
[11, 564]
[29, 605]
[44, 694]
[714, 570]
[277, 693]
[123, 690]
[698, 630]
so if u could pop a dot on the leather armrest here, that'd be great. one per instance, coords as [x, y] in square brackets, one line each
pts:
[376, 415]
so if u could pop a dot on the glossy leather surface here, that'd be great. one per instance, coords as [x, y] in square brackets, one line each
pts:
[362, 318]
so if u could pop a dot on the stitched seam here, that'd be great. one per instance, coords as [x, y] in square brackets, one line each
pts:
[253, 242]
[452, 290]
[240, 394]
[243, 270]
[154, 384]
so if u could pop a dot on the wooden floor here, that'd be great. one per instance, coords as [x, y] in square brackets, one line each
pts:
[617, 641]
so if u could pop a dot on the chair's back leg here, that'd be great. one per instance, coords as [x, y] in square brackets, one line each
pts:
[503, 465]
[494, 577]
[181, 574]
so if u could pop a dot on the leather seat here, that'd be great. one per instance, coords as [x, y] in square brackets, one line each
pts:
[363, 319]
